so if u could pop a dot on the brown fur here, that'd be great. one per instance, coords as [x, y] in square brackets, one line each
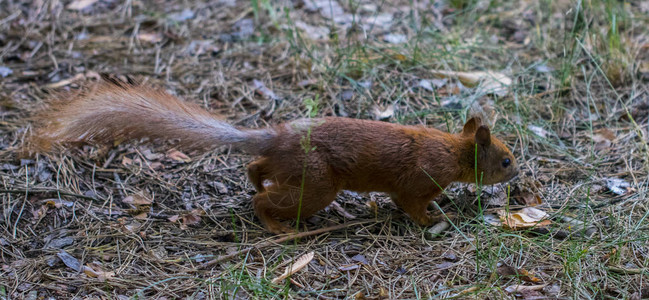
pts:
[411, 163]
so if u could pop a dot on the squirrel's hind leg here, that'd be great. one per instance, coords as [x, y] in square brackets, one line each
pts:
[257, 172]
[282, 202]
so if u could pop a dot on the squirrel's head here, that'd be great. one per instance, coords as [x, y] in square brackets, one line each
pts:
[495, 162]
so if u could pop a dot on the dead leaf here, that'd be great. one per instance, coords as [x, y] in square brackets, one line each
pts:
[220, 187]
[184, 15]
[525, 218]
[329, 9]
[313, 32]
[360, 258]
[399, 57]
[603, 138]
[41, 212]
[69, 260]
[395, 38]
[606, 133]
[643, 293]
[506, 270]
[618, 186]
[543, 68]
[137, 200]
[608, 255]
[149, 155]
[492, 82]
[178, 156]
[173, 218]
[293, 268]
[425, 84]
[261, 88]
[522, 288]
[126, 161]
[450, 256]
[534, 214]
[348, 267]
[383, 292]
[527, 276]
[133, 226]
[496, 195]
[4, 71]
[150, 37]
[307, 82]
[198, 47]
[80, 4]
[60, 243]
[437, 229]
[156, 165]
[492, 220]
[538, 130]
[384, 20]
[643, 69]
[431, 84]
[244, 28]
[141, 216]
[383, 114]
[450, 90]
[95, 271]
[191, 218]
[529, 199]
[444, 265]
[469, 290]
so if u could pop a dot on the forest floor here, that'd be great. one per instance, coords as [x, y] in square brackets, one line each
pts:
[144, 221]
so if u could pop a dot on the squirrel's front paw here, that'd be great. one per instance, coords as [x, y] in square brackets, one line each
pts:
[278, 228]
[432, 219]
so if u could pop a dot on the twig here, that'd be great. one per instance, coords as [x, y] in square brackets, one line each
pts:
[631, 271]
[281, 240]
[48, 191]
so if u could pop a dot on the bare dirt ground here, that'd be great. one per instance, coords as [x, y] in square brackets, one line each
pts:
[143, 221]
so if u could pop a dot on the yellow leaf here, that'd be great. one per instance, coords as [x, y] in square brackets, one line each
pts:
[492, 82]
[299, 264]
[525, 218]
[399, 57]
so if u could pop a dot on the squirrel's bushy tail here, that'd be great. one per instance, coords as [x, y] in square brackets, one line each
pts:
[116, 110]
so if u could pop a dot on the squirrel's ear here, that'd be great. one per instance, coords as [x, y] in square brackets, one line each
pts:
[471, 126]
[483, 136]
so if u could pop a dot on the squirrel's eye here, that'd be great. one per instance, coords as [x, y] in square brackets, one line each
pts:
[506, 162]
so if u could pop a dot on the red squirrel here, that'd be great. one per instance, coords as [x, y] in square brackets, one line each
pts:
[307, 159]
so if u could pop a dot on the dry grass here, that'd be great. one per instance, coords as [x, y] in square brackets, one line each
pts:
[580, 72]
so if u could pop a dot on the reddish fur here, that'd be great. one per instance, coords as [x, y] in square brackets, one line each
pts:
[349, 154]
